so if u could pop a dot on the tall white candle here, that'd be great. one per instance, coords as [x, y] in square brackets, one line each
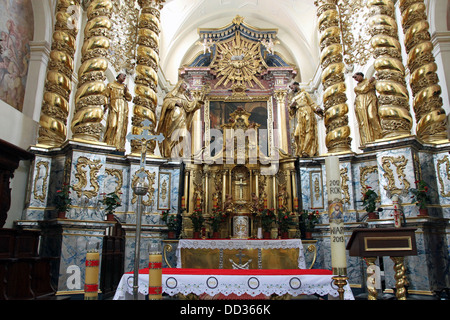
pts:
[336, 216]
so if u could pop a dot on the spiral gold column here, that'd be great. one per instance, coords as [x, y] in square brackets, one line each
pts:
[146, 100]
[90, 97]
[55, 105]
[391, 86]
[430, 116]
[334, 96]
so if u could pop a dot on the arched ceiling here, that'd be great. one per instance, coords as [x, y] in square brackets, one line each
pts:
[295, 20]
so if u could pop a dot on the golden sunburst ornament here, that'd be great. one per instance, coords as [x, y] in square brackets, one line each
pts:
[238, 62]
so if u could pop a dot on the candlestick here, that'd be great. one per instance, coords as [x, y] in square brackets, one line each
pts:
[296, 203]
[155, 273]
[397, 214]
[265, 203]
[335, 212]
[183, 202]
[91, 276]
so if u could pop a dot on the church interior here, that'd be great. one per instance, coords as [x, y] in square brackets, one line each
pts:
[224, 149]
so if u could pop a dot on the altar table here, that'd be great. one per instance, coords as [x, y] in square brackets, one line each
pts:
[232, 253]
[255, 283]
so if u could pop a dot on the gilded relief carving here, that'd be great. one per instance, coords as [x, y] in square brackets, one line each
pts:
[41, 196]
[83, 178]
[363, 176]
[400, 165]
[445, 160]
[151, 190]
[119, 175]
[344, 185]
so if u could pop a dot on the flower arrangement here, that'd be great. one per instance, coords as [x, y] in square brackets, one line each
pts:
[267, 218]
[216, 219]
[171, 221]
[63, 200]
[111, 201]
[420, 196]
[369, 199]
[284, 220]
[308, 220]
[197, 220]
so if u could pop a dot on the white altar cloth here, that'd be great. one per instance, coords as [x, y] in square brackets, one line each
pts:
[254, 282]
[231, 244]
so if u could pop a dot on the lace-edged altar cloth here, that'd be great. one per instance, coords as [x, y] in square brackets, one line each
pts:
[253, 283]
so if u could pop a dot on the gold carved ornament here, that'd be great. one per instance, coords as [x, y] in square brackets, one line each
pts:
[117, 173]
[90, 96]
[58, 84]
[391, 85]
[37, 196]
[344, 185]
[427, 102]
[146, 80]
[81, 175]
[445, 160]
[400, 165]
[150, 193]
[238, 62]
[334, 97]
[363, 173]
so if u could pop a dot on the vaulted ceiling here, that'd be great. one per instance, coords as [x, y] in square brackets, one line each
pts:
[295, 20]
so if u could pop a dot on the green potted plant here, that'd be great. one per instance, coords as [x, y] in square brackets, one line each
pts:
[267, 219]
[420, 197]
[197, 222]
[111, 201]
[172, 222]
[308, 221]
[369, 199]
[284, 220]
[63, 200]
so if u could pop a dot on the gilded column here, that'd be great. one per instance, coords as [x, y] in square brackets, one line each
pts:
[90, 97]
[146, 100]
[334, 96]
[55, 105]
[393, 96]
[427, 104]
[280, 95]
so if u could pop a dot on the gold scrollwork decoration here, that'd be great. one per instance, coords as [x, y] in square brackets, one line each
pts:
[344, 185]
[42, 195]
[400, 165]
[151, 190]
[81, 174]
[119, 175]
[445, 160]
[363, 173]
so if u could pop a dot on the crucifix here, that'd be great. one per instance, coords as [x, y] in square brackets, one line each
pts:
[140, 189]
[241, 185]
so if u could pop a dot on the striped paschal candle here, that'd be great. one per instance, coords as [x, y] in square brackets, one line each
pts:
[91, 277]
[155, 277]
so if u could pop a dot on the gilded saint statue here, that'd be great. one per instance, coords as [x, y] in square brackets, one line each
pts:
[177, 112]
[366, 109]
[304, 109]
[117, 108]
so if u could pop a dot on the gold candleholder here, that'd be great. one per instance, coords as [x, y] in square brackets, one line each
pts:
[340, 282]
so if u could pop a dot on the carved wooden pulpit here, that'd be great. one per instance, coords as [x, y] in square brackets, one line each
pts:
[10, 156]
[396, 243]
